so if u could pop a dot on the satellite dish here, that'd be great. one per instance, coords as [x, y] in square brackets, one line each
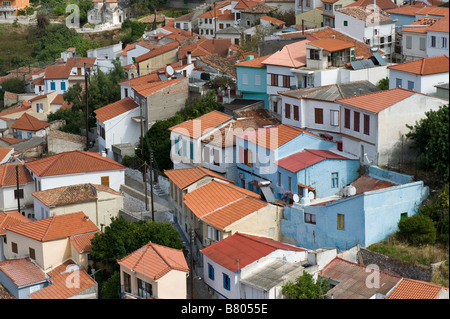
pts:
[311, 195]
[169, 70]
[296, 198]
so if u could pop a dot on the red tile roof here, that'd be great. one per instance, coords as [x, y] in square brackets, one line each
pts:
[22, 271]
[272, 20]
[274, 136]
[160, 50]
[199, 126]
[29, 123]
[306, 158]
[206, 47]
[441, 25]
[425, 23]
[382, 4]
[424, 66]
[433, 10]
[415, 289]
[154, 261]
[62, 285]
[56, 227]
[72, 163]
[184, 177]
[8, 219]
[292, 55]
[404, 10]
[110, 111]
[254, 63]
[332, 45]
[151, 88]
[378, 101]
[8, 174]
[245, 248]
[82, 243]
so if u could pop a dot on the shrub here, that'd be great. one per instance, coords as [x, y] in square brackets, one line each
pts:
[418, 229]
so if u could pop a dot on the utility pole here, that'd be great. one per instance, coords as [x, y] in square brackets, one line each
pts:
[87, 106]
[18, 189]
[151, 182]
[145, 163]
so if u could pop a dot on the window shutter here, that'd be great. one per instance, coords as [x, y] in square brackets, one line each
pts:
[241, 154]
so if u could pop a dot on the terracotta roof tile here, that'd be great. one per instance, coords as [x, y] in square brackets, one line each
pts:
[72, 194]
[441, 25]
[151, 88]
[424, 22]
[433, 10]
[59, 278]
[8, 174]
[299, 161]
[110, 111]
[4, 151]
[72, 163]
[29, 123]
[424, 66]
[332, 45]
[404, 10]
[11, 140]
[292, 55]
[272, 20]
[415, 289]
[378, 101]
[184, 177]
[158, 260]
[382, 4]
[259, 8]
[82, 243]
[22, 271]
[245, 248]
[8, 219]
[56, 227]
[199, 126]
[364, 14]
[254, 63]
[206, 47]
[155, 52]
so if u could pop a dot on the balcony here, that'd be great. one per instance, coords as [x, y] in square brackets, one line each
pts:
[8, 8]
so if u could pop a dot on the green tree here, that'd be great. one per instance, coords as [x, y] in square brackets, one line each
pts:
[110, 287]
[383, 84]
[74, 120]
[133, 30]
[417, 229]
[430, 138]
[14, 85]
[251, 43]
[305, 287]
[121, 238]
[437, 208]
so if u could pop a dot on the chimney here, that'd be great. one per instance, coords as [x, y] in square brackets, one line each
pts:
[103, 153]
[189, 59]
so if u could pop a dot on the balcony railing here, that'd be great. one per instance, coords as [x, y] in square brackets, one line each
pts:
[8, 8]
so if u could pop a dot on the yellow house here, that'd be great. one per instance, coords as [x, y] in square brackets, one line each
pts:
[52, 241]
[154, 271]
[43, 105]
[233, 209]
[157, 58]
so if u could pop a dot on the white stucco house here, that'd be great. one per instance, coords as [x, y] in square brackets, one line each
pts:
[118, 123]
[76, 167]
[374, 124]
[420, 75]
[108, 11]
[8, 188]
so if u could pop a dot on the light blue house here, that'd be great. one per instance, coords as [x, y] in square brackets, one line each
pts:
[252, 80]
[366, 214]
[259, 151]
[21, 277]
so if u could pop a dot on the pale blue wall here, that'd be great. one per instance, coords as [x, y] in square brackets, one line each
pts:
[368, 217]
[19, 293]
[402, 19]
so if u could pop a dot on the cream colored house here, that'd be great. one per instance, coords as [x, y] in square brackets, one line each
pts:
[98, 202]
[51, 241]
[157, 58]
[154, 271]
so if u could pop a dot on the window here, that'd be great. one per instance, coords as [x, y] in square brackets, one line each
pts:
[105, 181]
[14, 248]
[366, 124]
[39, 107]
[226, 281]
[356, 121]
[314, 54]
[18, 194]
[145, 290]
[63, 86]
[274, 79]
[216, 154]
[275, 106]
[382, 42]
[296, 113]
[184, 148]
[32, 253]
[210, 272]
[347, 118]
[289, 184]
[408, 42]
[345, 23]
[206, 154]
[245, 79]
[444, 43]
[340, 221]
[334, 180]
[433, 41]
[403, 215]
[126, 282]
[398, 83]
[279, 179]
[286, 81]
[422, 45]
[334, 118]
[258, 80]
[310, 218]
[248, 157]
[337, 7]
[410, 85]
[29, 135]
[287, 111]
[318, 116]
[191, 150]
